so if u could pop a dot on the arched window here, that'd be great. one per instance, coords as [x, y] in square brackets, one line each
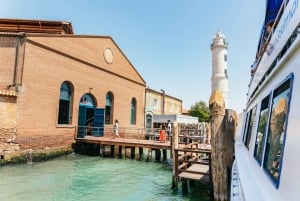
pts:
[65, 104]
[87, 100]
[133, 111]
[109, 108]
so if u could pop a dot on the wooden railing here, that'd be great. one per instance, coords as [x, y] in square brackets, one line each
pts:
[192, 164]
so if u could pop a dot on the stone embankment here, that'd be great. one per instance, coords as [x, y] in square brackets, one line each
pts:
[14, 149]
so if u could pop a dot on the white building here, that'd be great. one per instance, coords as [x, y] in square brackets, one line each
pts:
[219, 78]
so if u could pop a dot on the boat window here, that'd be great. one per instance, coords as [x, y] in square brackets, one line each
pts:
[245, 128]
[276, 131]
[261, 130]
[247, 137]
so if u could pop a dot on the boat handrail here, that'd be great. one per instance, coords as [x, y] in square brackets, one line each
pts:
[263, 47]
[276, 60]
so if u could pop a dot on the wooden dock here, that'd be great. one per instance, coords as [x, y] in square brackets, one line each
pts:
[124, 147]
[192, 163]
[120, 141]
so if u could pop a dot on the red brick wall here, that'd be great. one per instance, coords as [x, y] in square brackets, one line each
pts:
[44, 72]
[34, 112]
[7, 60]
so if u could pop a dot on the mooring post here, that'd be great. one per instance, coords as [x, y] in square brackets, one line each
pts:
[112, 150]
[141, 152]
[218, 132]
[120, 151]
[132, 155]
[116, 151]
[149, 157]
[164, 155]
[171, 145]
[157, 155]
[230, 126]
[175, 156]
[101, 150]
[136, 153]
[185, 186]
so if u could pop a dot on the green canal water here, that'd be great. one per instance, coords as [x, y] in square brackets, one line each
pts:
[84, 178]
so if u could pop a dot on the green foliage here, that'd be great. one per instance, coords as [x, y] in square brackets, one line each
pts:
[200, 110]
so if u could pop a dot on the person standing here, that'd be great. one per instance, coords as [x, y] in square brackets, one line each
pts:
[116, 128]
[169, 128]
[162, 134]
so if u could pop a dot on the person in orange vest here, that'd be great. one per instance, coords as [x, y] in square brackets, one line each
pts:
[162, 134]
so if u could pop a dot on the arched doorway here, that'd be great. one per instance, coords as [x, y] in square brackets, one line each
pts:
[90, 118]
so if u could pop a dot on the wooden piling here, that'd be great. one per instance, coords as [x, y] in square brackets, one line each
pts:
[120, 152]
[112, 150]
[157, 155]
[164, 155]
[230, 127]
[132, 152]
[175, 156]
[185, 186]
[141, 152]
[149, 157]
[220, 136]
[101, 150]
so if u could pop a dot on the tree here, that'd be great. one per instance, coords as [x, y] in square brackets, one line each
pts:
[200, 110]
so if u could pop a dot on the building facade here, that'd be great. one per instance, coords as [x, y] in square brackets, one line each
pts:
[54, 85]
[160, 103]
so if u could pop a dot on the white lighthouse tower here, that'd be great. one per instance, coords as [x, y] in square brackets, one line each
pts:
[219, 78]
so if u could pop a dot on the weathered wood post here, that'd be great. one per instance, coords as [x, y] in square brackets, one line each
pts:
[157, 155]
[230, 127]
[141, 152]
[184, 186]
[132, 153]
[219, 166]
[149, 157]
[175, 156]
[112, 150]
[171, 145]
[164, 155]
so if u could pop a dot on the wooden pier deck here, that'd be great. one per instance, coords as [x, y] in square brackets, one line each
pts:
[196, 172]
[120, 141]
[192, 163]
[189, 164]
[124, 147]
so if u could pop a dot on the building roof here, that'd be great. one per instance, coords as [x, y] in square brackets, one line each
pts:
[160, 93]
[35, 26]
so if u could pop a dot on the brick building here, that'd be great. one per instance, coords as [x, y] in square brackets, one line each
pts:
[54, 84]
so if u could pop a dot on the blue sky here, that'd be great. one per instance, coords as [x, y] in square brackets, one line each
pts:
[167, 41]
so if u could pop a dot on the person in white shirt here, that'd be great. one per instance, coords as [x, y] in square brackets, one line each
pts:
[169, 128]
[116, 128]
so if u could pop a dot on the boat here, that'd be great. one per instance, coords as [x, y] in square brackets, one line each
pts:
[267, 142]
